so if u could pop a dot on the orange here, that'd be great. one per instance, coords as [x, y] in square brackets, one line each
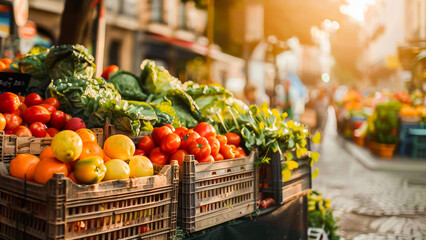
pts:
[46, 168]
[119, 147]
[47, 153]
[86, 135]
[2, 122]
[23, 164]
[106, 158]
[91, 149]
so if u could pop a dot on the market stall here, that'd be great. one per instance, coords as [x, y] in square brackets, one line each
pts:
[126, 156]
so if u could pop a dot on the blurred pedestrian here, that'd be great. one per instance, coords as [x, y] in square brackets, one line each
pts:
[309, 116]
[250, 94]
[321, 107]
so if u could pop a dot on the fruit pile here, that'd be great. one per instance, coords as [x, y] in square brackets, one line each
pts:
[78, 156]
[32, 116]
[168, 143]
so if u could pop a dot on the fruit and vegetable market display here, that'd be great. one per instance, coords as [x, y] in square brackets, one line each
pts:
[162, 123]
[391, 123]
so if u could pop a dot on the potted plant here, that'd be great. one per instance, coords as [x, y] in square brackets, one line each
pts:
[385, 134]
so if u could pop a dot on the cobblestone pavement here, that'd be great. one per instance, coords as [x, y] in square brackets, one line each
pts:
[370, 204]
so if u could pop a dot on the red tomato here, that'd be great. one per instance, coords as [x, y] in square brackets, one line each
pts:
[49, 107]
[218, 157]
[171, 127]
[200, 148]
[158, 157]
[36, 114]
[181, 131]
[159, 133]
[53, 101]
[22, 107]
[9, 102]
[179, 155]
[23, 131]
[38, 129]
[12, 120]
[21, 99]
[139, 152]
[52, 131]
[214, 145]
[146, 143]
[33, 99]
[170, 143]
[58, 119]
[227, 152]
[11, 130]
[18, 112]
[209, 158]
[108, 70]
[240, 153]
[233, 139]
[68, 117]
[222, 139]
[205, 130]
[188, 139]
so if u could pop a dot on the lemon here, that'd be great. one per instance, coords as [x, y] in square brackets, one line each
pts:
[119, 147]
[116, 169]
[67, 146]
[140, 166]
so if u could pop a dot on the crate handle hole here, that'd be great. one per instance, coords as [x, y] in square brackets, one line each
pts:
[243, 168]
[213, 173]
[229, 170]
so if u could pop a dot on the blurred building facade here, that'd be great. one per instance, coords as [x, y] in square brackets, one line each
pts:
[391, 25]
[171, 32]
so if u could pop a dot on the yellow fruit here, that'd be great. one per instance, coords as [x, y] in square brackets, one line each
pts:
[119, 147]
[67, 146]
[140, 166]
[116, 169]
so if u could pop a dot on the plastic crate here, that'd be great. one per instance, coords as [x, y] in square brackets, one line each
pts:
[406, 141]
[214, 193]
[419, 143]
[271, 182]
[142, 208]
[12, 145]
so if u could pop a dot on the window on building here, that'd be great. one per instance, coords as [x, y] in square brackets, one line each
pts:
[114, 51]
[157, 11]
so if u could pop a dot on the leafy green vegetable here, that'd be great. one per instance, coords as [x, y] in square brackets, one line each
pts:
[187, 111]
[157, 80]
[165, 114]
[70, 61]
[127, 85]
[68, 91]
[385, 120]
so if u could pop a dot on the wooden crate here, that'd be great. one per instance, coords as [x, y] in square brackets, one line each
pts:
[140, 208]
[12, 145]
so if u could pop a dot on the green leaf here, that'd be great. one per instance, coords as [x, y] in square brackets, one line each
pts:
[315, 173]
[317, 138]
[288, 156]
[315, 156]
[291, 143]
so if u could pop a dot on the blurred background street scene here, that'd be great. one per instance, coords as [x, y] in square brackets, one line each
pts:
[353, 70]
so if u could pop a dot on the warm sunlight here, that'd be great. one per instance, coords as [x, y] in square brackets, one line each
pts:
[356, 9]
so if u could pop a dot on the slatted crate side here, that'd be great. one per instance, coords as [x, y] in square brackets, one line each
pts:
[148, 210]
[12, 145]
[110, 130]
[213, 193]
[272, 183]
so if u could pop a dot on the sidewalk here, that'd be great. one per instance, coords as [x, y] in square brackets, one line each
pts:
[373, 162]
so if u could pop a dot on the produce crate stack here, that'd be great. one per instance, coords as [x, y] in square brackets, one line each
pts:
[271, 181]
[12, 145]
[60, 209]
[214, 193]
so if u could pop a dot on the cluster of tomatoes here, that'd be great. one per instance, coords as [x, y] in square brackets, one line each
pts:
[168, 143]
[32, 116]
